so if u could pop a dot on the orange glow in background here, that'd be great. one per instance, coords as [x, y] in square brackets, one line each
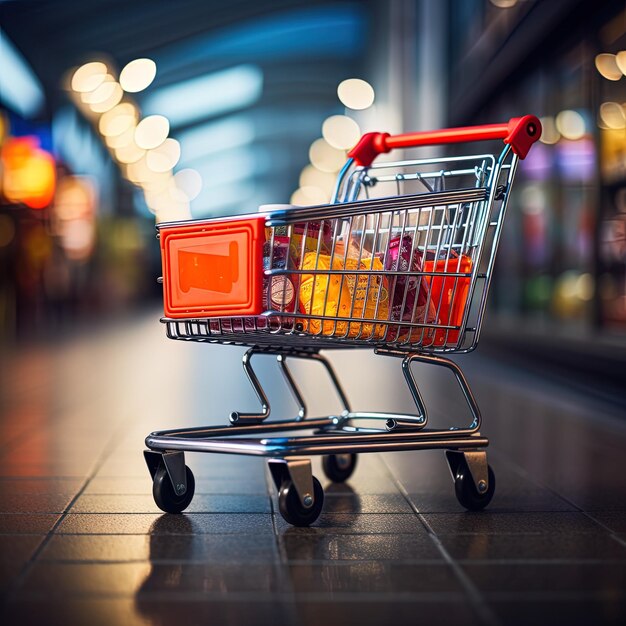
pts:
[29, 174]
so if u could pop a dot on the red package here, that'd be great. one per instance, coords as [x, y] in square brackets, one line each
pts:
[416, 307]
[449, 294]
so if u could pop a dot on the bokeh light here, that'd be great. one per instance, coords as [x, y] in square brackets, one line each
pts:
[189, 182]
[355, 93]
[89, 76]
[113, 98]
[312, 177]
[570, 124]
[612, 116]
[118, 120]
[341, 132]
[606, 64]
[326, 158]
[164, 157]
[309, 196]
[152, 131]
[137, 75]
[549, 134]
[129, 153]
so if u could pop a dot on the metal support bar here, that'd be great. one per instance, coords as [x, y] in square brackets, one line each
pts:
[441, 362]
[333, 377]
[295, 392]
[237, 417]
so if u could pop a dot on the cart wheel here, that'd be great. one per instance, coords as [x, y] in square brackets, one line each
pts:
[466, 491]
[165, 496]
[339, 467]
[293, 511]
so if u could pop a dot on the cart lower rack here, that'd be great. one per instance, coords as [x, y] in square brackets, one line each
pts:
[400, 262]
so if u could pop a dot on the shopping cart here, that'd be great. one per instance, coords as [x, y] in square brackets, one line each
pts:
[400, 262]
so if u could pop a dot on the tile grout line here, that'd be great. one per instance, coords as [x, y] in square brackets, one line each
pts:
[613, 534]
[283, 561]
[475, 597]
[19, 579]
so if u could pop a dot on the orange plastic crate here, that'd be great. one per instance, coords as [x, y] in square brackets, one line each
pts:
[213, 268]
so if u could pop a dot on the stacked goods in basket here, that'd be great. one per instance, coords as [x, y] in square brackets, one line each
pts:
[311, 278]
[350, 295]
[410, 301]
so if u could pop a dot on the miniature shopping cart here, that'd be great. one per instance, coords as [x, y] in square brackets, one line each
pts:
[400, 262]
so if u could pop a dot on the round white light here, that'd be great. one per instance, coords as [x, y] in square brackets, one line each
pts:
[570, 124]
[101, 93]
[355, 93]
[606, 64]
[138, 171]
[152, 131]
[130, 153]
[173, 212]
[164, 157]
[119, 141]
[312, 177]
[341, 132]
[326, 158]
[612, 116]
[89, 76]
[620, 60]
[309, 196]
[110, 101]
[504, 4]
[137, 75]
[549, 133]
[189, 182]
[118, 120]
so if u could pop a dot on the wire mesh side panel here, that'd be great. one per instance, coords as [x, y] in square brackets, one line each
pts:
[381, 268]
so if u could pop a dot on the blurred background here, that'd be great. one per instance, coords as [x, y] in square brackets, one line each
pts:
[114, 114]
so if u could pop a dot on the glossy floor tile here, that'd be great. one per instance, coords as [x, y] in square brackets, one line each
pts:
[82, 541]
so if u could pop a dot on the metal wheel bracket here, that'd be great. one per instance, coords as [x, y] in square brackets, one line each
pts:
[175, 466]
[153, 460]
[301, 475]
[476, 461]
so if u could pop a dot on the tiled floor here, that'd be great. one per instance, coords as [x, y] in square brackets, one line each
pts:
[82, 542]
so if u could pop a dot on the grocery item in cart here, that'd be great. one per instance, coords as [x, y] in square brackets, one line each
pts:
[310, 237]
[357, 295]
[410, 299]
[449, 294]
[279, 291]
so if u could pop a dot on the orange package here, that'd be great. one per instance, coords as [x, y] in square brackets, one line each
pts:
[356, 296]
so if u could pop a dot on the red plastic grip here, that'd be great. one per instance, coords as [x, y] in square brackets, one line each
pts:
[520, 132]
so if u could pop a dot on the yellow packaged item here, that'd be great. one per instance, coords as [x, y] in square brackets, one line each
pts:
[348, 295]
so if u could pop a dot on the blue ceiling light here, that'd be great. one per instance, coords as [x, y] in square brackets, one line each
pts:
[20, 90]
[319, 32]
[212, 94]
[213, 137]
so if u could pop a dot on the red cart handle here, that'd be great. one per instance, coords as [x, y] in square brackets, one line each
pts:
[520, 132]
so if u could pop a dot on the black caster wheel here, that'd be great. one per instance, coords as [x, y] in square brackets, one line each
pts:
[339, 467]
[165, 496]
[293, 511]
[466, 491]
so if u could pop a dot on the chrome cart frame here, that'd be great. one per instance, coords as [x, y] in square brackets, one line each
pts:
[447, 210]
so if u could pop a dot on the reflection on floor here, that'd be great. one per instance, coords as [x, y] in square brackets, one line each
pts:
[81, 541]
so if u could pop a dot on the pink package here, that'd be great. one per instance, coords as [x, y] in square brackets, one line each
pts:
[399, 259]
